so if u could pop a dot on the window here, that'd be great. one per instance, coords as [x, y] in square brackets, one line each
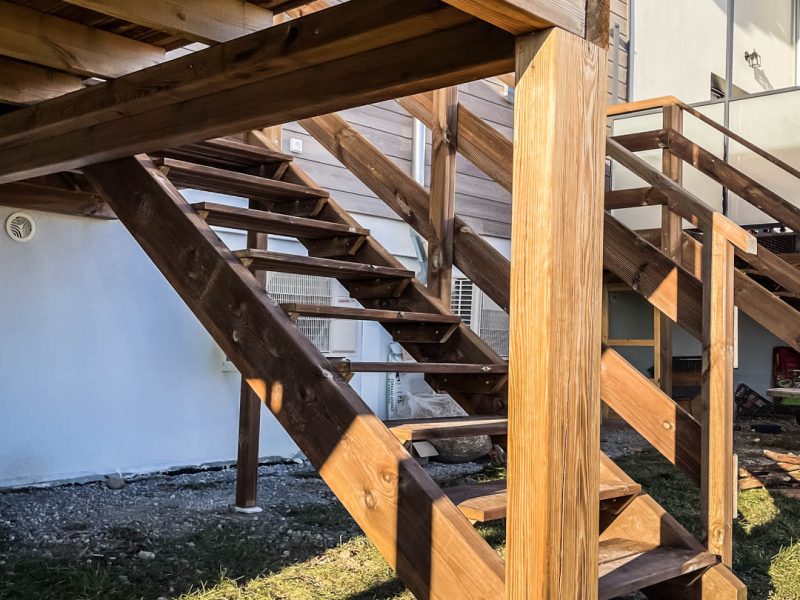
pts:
[288, 288]
[481, 314]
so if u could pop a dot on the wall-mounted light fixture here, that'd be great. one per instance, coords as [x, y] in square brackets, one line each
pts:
[753, 59]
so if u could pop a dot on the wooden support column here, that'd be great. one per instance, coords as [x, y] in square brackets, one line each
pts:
[442, 207]
[717, 462]
[671, 231]
[556, 268]
[250, 413]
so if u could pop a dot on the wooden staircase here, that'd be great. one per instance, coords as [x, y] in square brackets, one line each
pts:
[419, 528]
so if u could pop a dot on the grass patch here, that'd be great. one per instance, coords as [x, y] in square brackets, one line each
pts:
[319, 553]
[766, 542]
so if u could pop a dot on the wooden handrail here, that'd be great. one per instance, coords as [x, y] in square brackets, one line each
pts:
[683, 202]
[615, 110]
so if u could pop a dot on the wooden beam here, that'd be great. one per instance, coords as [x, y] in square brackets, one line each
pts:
[718, 483]
[556, 272]
[671, 233]
[30, 195]
[524, 16]
[206, 21]
[681, 201]
[420, 533]
[630, 198]
[442, 205]
[22, 83]
[390, 47]
[250, 409]
[748, 188]
[51, 41]
[665, 425]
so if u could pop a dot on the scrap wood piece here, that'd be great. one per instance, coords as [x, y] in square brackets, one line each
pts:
[783, 458]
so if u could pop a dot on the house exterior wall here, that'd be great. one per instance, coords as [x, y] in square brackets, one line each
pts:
[678, 46]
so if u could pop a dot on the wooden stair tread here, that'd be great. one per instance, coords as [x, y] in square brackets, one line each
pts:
[223, 181]
[487, 501]
[627, 566]
[411, 430]
[366, 314]
[263, 260]
[267, 222]
[222, 152]
[414, 367]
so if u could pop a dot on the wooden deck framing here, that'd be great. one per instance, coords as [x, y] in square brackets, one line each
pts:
[586, 531]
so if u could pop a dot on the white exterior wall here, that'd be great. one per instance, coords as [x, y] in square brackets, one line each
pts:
[104, 368]
[680, 43]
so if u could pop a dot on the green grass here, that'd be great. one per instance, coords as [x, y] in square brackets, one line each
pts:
[766, 550]
[237, 562]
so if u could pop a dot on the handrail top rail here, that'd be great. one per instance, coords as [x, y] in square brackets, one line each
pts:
[616, 110]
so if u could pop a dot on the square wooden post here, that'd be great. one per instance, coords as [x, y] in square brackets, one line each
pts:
[442, 208]
[671, 232]
[249, 416]
[717, 483]
[556, 284]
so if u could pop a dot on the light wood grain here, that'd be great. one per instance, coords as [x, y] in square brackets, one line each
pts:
[559, 130]
[524, 16]
[23, 83]
[198, 20]
[717, 483]
[51, 41]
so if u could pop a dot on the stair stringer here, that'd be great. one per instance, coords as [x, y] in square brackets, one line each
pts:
[417, 529]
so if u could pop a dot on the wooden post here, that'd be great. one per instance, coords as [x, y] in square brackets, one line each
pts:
[442, 208]
[671, 231]
[249, 416]
[717, 478]
[556, 285]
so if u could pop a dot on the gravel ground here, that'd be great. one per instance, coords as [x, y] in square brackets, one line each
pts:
[175, 520]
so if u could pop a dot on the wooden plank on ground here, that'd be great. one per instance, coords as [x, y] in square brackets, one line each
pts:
[556, 273]
[420, 533]
[390, 48]
[51, 41]
[198, 20]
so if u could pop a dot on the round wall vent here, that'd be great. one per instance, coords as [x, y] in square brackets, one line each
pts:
[20, 227]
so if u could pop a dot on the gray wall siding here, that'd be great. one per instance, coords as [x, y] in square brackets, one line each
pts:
[480, 201]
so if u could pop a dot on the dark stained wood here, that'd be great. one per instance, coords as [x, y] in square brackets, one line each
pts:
[258, 220]
[627, 566]
[646, 196]
[641, 141]
[488, 501]
[247, 451]
[412, 367]
[324, 416]
[390, 47]
[442, 198]
[384, 316]
[756, 194]
[225, 153]
[680, 200]
[323, 267]
[35, 196]
[211, 179]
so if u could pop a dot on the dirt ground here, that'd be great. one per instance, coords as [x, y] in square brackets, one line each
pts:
[176, 536]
